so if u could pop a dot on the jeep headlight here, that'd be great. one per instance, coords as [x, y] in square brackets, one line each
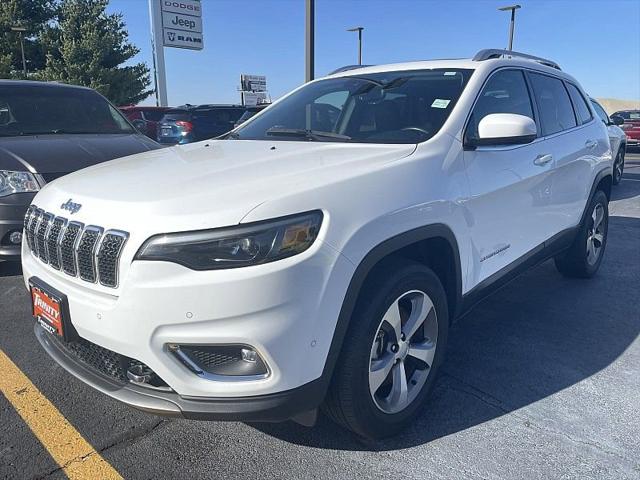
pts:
[234, 247]
[17, 182]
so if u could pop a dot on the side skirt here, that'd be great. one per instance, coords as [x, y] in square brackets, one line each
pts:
[549, 249]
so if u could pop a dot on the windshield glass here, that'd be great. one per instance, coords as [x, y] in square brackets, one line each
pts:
[34, 110]
[389, 107]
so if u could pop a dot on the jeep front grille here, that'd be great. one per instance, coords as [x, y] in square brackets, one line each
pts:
[87, 252]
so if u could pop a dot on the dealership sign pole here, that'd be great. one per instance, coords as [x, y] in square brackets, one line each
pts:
[177, 24]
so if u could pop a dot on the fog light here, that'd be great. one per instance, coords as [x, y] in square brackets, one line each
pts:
[249, 355]
[15, 238]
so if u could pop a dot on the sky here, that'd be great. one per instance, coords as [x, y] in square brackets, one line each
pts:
[596, 41]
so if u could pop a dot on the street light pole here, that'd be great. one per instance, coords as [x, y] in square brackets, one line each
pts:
[513, 9]
[309, 41]
[359, 30]
[20, 30]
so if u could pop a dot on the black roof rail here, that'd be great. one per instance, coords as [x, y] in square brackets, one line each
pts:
[347, 68]
[496, 53]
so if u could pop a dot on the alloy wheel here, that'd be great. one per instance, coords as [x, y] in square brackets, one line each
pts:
[618, 167]
[595, 234]
[403, 351]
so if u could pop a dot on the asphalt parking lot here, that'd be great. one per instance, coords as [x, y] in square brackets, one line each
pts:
[542, 381]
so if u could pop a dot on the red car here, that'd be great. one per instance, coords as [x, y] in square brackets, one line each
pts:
[631, 126]
[145, 119]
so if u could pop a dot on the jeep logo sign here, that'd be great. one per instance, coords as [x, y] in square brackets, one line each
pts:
[175, 21]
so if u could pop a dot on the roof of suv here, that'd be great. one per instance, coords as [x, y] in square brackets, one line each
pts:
[38, 84]
[494, 59]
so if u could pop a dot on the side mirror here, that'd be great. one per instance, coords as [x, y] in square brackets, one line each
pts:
[617, 120]
[505, 129]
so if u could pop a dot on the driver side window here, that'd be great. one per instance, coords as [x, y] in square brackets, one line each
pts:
[505, 92]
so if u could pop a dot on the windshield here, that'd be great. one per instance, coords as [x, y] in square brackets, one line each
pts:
[46, 110]
[629, 114]
[389, 107]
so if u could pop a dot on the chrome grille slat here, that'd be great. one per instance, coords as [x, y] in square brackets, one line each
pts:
[33, 225]
[90, 252]
[41, 236]
[108, 257]
[53, 241]
[86, 251]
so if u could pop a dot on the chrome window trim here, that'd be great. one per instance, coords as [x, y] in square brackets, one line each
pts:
[93, 255]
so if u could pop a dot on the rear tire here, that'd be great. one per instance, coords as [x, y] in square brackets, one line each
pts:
[583, 258]
[618, 166]
[392, 351]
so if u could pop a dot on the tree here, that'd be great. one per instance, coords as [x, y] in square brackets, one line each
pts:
[87, 46]
[33, 15]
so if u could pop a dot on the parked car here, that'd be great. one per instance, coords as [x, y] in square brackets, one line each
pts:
[617, 139]
[191, 123]
[48, 130]
[631, 126]
[309, 258]
[145, 119]
[250, 112]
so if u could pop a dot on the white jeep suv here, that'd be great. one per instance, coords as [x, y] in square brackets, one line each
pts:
[316, 255]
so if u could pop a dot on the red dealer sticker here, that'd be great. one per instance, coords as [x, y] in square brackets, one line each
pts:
[47, 311]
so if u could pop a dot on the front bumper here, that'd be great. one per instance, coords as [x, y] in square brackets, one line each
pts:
[264, 408]
[285, 310]
[12, 211]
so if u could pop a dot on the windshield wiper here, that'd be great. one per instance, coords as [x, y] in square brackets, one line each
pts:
[308, 134]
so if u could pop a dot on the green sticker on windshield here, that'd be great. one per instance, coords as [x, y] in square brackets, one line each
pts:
[440, 103]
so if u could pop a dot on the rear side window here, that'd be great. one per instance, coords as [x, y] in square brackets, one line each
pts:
[580, 104]
[556, 112]
[601, 113]
[153, 115]
[505, 92]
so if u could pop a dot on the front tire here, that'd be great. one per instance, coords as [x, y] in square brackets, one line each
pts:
[391, 353]
[583, 258]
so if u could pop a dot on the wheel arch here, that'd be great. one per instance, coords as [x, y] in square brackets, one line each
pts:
[415, 245]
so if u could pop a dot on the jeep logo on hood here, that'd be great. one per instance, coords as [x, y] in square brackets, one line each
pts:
[70, 206]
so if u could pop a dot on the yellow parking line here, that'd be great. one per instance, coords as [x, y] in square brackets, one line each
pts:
[69, 449]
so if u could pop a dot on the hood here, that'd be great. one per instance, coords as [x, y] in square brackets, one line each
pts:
[207, 184]
[61, 154]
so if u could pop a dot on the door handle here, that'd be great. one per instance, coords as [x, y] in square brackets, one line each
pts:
[541, 160]
[590, 144]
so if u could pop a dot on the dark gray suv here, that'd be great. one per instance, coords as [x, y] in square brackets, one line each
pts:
[48, 130]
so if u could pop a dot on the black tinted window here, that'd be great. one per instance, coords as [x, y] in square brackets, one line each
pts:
[153, 115]
[505, 92]
[579, 103]
[218, 115]
[31, 110]
[600, 111]
[388, 107]
[556, 112]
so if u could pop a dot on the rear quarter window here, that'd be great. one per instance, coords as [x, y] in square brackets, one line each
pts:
[556, 111]
[580, 104]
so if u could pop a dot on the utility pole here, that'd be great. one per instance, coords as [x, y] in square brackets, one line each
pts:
[20, 30]
[513, 9]
[309, 41]
[157, 44]
[359, 30]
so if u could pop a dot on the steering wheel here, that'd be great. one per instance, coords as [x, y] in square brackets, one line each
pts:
[417, 129]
